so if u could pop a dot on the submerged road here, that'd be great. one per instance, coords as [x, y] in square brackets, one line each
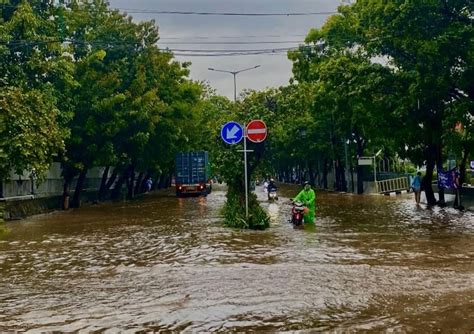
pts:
[163, 263]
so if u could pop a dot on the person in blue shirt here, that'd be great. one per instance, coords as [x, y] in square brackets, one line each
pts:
[148, 184]
[416, 186]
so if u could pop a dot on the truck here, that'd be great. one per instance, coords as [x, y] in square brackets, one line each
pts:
[192, 173]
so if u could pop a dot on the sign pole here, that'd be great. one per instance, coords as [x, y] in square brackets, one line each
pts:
[232, 133]
[245, 172]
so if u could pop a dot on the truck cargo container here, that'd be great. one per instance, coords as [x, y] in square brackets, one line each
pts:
[192, 173]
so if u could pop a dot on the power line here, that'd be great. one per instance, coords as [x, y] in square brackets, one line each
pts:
[176, 12]
[233, 54]
[111, 44]
[164, 12]
[233, 50]
[230, 43]
[233, 37]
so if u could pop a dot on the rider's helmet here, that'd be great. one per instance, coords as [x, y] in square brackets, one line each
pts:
[272, 180]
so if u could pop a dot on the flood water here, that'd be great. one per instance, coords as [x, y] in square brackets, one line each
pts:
[166, 264]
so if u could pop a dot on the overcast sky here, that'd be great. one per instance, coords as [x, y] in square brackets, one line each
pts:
[275, 70]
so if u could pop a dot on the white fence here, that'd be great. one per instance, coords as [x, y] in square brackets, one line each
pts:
[392, 185]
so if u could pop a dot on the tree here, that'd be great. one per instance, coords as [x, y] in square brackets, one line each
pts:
[429, 45]
[351, 99]
[32, 138]
[35, 75]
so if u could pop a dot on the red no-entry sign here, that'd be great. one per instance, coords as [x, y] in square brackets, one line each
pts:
[256, 131]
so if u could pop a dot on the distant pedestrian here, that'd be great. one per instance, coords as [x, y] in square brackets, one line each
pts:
[416, 186]
[265, 186]
[148, 184]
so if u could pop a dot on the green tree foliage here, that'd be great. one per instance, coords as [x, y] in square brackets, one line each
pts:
[351, 95]
[35, 76]
[133, 105]
[32, 138]
[398, 66]
[429, 44]
[105, 92]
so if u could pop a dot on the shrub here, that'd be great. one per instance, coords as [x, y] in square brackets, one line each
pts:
[234, 212]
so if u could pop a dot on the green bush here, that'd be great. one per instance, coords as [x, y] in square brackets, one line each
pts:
[411, 169]
[234, 212]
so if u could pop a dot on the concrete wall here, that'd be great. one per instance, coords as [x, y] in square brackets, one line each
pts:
[23, 185]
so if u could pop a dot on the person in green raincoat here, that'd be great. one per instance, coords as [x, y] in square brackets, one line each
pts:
[308, 197]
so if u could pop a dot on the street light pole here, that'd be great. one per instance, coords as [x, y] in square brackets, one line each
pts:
[235, 87]
[234, 73]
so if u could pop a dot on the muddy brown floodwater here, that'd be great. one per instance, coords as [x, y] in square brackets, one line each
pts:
[166, 264]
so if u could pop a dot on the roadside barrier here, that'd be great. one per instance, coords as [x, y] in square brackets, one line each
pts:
[392, 185]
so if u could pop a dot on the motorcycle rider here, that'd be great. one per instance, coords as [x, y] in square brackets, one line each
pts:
[272, 186]
[308, 197]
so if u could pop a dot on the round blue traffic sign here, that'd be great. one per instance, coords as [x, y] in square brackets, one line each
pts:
[232, 133]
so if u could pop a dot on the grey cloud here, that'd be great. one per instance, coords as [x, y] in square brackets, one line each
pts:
[275, 70]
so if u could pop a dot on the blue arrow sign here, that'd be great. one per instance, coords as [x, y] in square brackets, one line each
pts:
[232, 133]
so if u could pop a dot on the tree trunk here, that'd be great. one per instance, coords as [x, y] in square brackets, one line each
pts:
[112, 179]
[462, 178]
[439, 167]
[103, 193]
[426, 181]
[325, 173]
[103, 183]
[462, 167]
[352, 177]
[311, 174]
[65, 196]
[360, 169]
[341, 184]
[139, 186]
[168, 181]
[118, 185]
[161, 181]
[131, 183]
[76, 201]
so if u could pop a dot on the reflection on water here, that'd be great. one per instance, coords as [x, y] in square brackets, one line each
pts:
[165, 263]
[4, 231]
[273, 212]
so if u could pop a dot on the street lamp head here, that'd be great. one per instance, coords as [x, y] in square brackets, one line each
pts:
[210, 69]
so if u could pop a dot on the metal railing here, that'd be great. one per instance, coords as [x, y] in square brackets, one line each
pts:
[392, 185]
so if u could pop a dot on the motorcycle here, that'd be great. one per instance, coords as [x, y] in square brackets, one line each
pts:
[297, 214]
[272, 195]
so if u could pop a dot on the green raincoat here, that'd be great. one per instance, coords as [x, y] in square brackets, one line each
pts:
[308, 197]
